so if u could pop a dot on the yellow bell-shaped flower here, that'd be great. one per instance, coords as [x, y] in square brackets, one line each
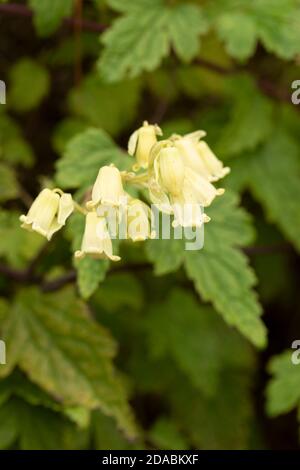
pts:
[138, 223]
[213, 165]
[199, 157]
[96, 240]
[48, 213]
[108, 188]
[141, 142]
[197, 189]
[169, 170]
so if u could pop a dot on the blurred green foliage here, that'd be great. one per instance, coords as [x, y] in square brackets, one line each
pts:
[169, 349]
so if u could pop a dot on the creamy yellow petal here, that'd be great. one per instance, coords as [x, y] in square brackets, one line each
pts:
[212, 163]
[65, 209]
[108, 188]
[170, 170]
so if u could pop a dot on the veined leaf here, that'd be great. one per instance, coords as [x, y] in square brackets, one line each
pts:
[241, 24]
[90, 272]
[221, 272]
[83, 157]
[53, 340]
[141, 38]
[25, 424]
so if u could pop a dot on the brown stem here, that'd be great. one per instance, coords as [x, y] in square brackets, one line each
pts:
[23, 10]
[78, 45]
[283, 247]
[266, 86]
[59, 282]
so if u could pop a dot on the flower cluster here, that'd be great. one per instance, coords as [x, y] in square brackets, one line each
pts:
[178, 173]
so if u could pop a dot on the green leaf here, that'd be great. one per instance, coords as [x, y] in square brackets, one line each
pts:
[83, 157]
[26, 424]
[65, 131]
[166, 255]
[9, 188]
[241, 24]
[90, 272]
[250, 119]
[221, 272]
[165, 435]
[283, 391]
[130, 294]
[106, 436]
[54, 341]
[17, 246]
[274, 178]
[185, 25]
[195, 337]
[219, 422]
[29, 84]
[141, 38]
[238, 31]
[13, 148]
[48, 14]
[16, 385]
[9, 426]
[93, 102]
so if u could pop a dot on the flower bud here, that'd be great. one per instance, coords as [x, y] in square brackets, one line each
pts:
[169, 170]
[141, 143]
[108, 188]
[96, 241]
[48, 213]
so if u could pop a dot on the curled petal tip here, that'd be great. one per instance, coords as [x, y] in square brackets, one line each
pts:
[79, 254]
[220, 191]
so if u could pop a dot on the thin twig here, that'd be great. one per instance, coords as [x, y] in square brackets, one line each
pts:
[23, 10]
[265, 85]
[275, 248]
[59, 282]
[78, 45]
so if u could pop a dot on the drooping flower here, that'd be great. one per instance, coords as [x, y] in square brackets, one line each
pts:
[169, 170]
[48, 213]
[138, 220]
[198, 156]
[96, 240]
[141, 142]
[108, 188]
[176, 188]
